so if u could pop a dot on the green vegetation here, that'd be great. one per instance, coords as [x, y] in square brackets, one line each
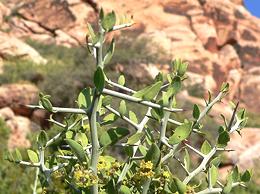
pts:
[77, 157]
[14, 179]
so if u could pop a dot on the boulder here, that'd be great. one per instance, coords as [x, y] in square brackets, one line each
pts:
[20, 128]
[11, 47]
[16, 96]
[246, 148]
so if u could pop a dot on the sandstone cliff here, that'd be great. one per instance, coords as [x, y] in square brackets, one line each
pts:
[220, 39]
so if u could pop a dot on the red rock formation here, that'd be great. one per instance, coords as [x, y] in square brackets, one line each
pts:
[16, 96]
[220, 39]
[20, 128]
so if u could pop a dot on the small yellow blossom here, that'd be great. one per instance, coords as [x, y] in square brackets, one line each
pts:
[83, 177]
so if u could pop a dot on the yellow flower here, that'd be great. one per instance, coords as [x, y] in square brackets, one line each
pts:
[166, 174]
[103, 164]
[84, 178]
[145, 171]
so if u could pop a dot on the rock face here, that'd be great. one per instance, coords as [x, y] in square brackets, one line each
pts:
[16, 96]
[20, 128]
[13, 47]
[220, 39]
[246, 148]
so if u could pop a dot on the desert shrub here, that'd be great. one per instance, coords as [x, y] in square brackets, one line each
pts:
[81, 158]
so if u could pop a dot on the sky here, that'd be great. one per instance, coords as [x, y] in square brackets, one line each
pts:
[253, 6]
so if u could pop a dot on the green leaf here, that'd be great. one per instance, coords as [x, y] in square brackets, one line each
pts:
[91, 33]
[213, 174]
[113, 135]
[46, 103]
[149, 92]
[246, 176]
[158, 77]
[153, 155]
[187, 160]
[122, 108]
[135, 138]
[99, 79]
[77, 149]
[196, 111]
[224, 87]
[157, 113]
[106, 101]
[182, 69]
[206, 147]
[110, 52]
[142, 149]
[18, 155]
[152, 91]
[110, 118]
[133, 117]
[33, 156]
[42, 138]
[84, 98]
[228, 186]
[223, 139]
[181, 132]
[121, 80]
[124, 190]
[174, 87]
[109, 21]
[181, 187]
[235, 174]
[82, 138]
[101, 13]
[215, 161]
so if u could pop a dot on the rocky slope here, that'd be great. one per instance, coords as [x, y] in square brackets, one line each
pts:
[220, 39]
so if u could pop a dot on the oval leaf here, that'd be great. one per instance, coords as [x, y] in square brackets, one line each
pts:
[181, 133]
[121, 80]
[99, 79]
[84, 98]
[109, 21]
[135, 138]
[122, 108]
[77, 149]
[196, 111]
[213, 174]
[42, 138]
[205, 148]
[33, 156]
[113, 135]
[223, 139]
[110, 52]
[153, 155]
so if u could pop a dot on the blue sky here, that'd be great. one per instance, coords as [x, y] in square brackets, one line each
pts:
[253, 6]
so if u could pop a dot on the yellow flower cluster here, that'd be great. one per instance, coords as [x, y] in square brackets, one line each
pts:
[189, 190]
[103, 164]
[83, 177]
[145, 171]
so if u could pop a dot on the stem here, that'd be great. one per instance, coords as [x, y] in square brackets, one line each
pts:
[164, 123]
[36, 181]
[121, 87]
[146, 186]
[128, 164]
[201, 167]
[136, 126]
[216, 190]
[139, 100]
[93, 115]
[60, 109]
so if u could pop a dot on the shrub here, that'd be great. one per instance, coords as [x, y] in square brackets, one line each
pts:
[83, 161]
